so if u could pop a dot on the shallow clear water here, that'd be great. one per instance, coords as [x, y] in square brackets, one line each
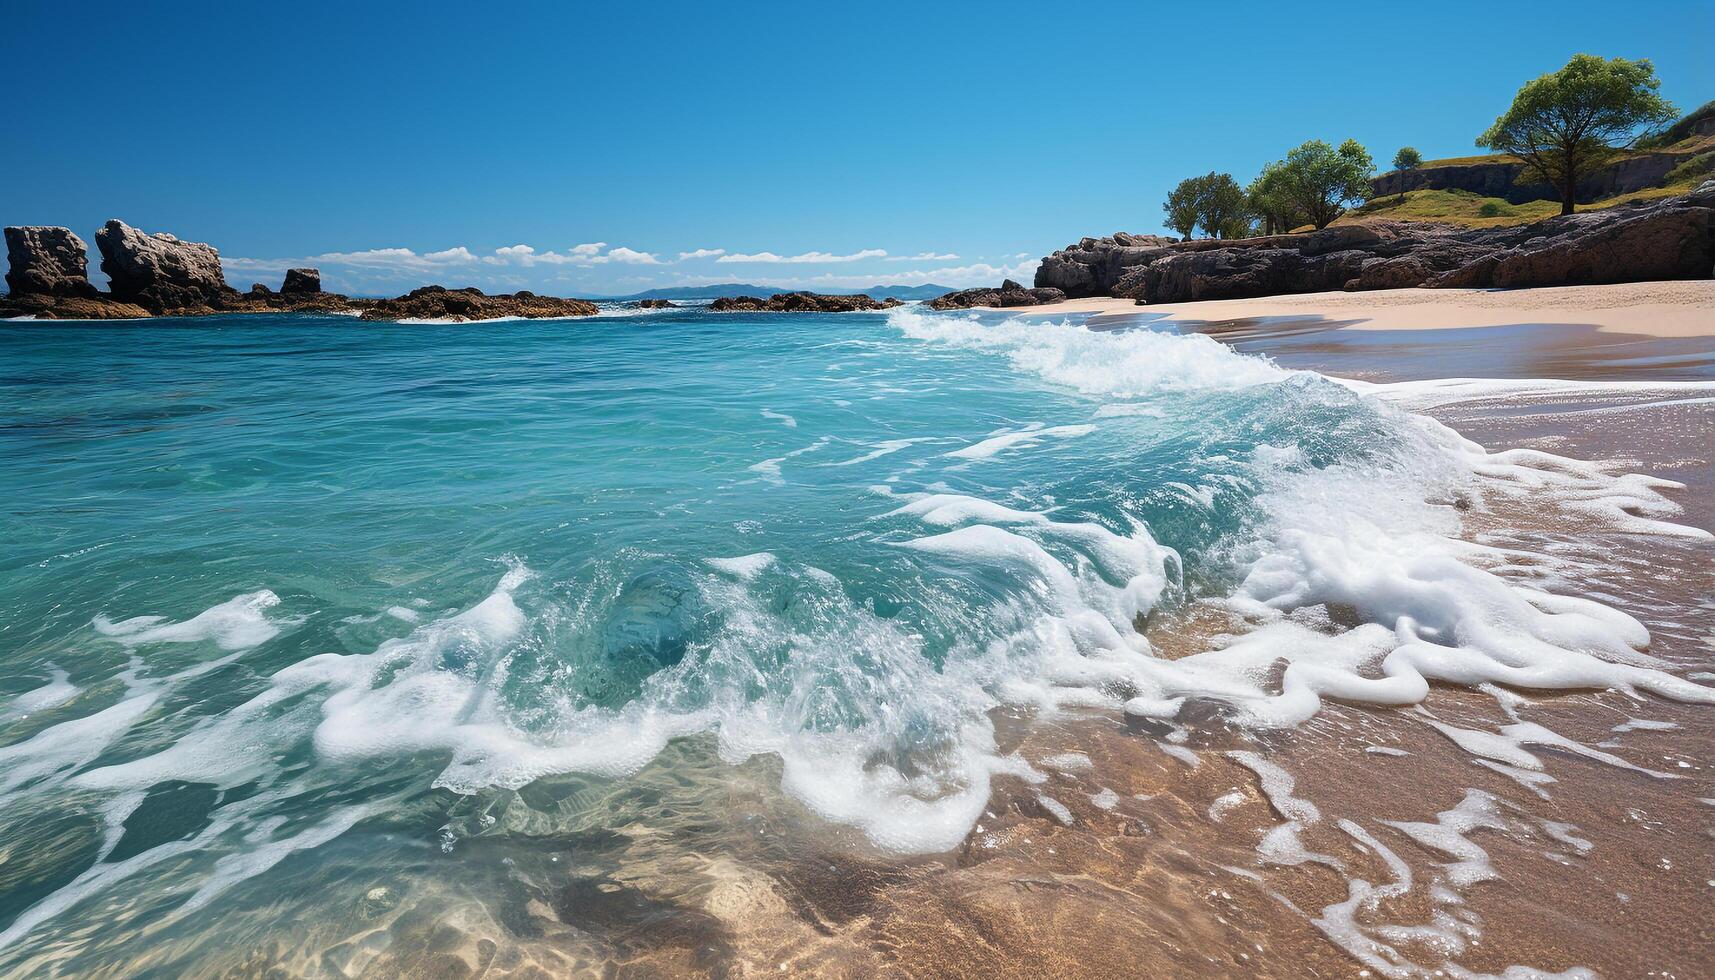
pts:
[273, 587]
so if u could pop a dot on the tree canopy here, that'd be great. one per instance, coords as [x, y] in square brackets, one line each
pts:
[1271, 202]
[1318, 182]
[1568, 121]
[1407, 158]
[1181, 207]
[1214, 202]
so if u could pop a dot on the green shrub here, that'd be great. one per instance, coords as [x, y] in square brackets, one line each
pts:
[1693, 168]
[1494, 209]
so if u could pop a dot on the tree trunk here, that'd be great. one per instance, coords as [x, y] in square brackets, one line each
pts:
[1568, 192]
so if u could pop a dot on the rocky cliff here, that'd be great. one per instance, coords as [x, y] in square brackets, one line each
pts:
[1501, 179]
[1668, 238]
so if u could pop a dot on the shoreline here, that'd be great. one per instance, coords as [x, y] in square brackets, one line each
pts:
[1575, 850]
[1665, 309]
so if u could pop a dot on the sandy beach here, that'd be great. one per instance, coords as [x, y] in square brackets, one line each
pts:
[1656, 309]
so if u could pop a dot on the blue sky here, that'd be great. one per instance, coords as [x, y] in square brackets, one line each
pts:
[606, 148]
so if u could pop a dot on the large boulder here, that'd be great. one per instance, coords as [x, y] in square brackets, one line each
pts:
[302, 281]
[1093, 265]
[1242, 273]
[47, 261]
[159, 272]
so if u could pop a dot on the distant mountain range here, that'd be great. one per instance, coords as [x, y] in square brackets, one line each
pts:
[746, 289]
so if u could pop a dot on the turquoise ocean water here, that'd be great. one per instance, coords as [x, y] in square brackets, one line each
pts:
[282, 598]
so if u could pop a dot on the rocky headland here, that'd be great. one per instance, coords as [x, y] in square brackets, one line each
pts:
[801, 302]
[161, 275]
[1661, 239]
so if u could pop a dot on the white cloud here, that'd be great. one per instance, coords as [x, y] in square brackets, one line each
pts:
[924, 257]
[629, 256]
[806, 257]
[587, 254]
[957, 277]
[397, 262]
[702, 253]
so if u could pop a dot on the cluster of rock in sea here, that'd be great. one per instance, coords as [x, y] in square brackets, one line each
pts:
[1664, 238]
[801, 302]
[160, 275]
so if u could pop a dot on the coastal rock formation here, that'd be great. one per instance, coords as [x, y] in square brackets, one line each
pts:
[1666, 238]
[655, 304]
[470, 303]
[1009, 294]
[302, 281]
[1502, 179]
[47, 261]
[42, 306]
[159, 272]
[801, 302]
[1675, 240]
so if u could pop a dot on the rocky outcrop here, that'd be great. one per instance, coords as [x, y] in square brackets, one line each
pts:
[1239, 273]
[801, 302]
[159, 272]
[655, 304]
[1504, 179]
[1673, 240]
[302, 281]
[1667, 238]
[1009, 294]
[42, 306]
[47, 261]
[441, 303]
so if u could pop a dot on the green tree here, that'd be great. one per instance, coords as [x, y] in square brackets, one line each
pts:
[1407, 159]
[1214, 202]
[1222, 208]
[1569, 121]
[1321, 181]
[1181, 206]
[1270, 201]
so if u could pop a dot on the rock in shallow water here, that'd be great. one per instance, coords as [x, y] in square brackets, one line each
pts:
[1010, 294]
[440, 303]
[302, 281]
[801, 302]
